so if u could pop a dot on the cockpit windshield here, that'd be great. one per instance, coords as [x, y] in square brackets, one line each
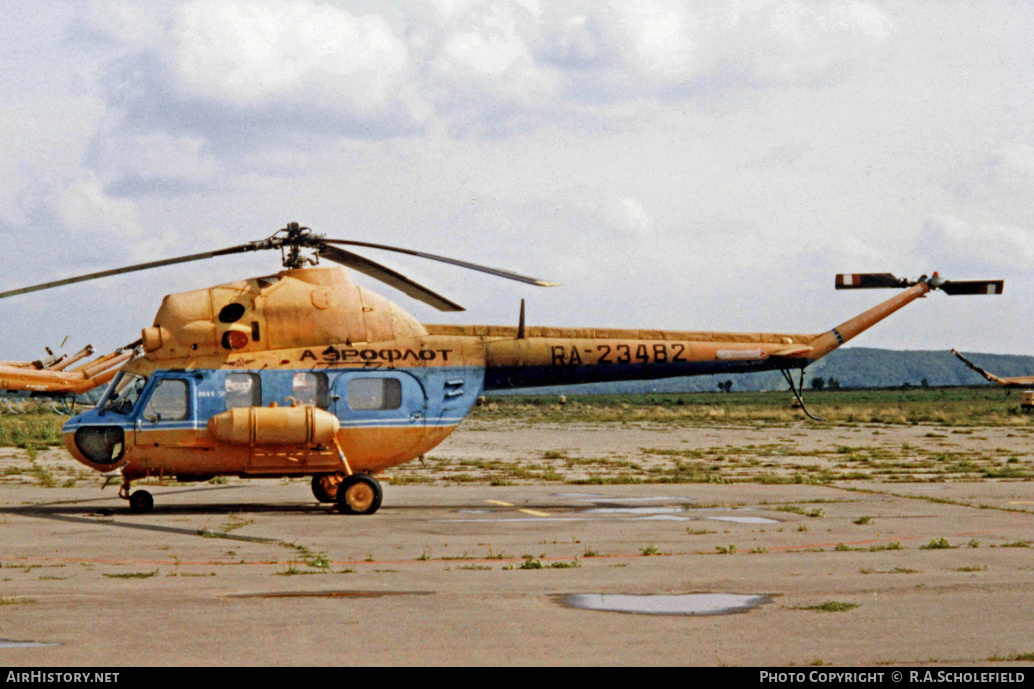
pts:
[122, 393]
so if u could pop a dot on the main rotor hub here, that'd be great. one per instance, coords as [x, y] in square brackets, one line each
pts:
[291, 240]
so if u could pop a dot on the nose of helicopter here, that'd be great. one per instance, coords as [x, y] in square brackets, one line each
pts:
[100, 446]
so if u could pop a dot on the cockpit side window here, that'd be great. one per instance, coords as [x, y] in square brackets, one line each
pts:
[169, 401]
[122, 394]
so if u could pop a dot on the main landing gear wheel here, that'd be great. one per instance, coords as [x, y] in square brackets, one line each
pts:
[140, 502]
[324, 486]
[359, 494]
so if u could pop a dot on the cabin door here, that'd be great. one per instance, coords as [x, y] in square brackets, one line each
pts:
[168, 415]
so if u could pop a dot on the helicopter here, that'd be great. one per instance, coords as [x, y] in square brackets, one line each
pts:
[61, 375]
[303, 373]
[1015, 382]
[61, 380]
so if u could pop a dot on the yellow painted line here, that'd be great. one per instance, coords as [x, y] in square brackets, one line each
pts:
[534, 513]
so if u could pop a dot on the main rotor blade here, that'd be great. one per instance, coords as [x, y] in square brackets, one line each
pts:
[462, 264]
[130, 269]
[389, 277]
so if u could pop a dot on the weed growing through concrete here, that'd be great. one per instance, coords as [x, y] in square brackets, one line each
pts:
[828, 606]
[15, 600]
[1022, 657]
[132, 575]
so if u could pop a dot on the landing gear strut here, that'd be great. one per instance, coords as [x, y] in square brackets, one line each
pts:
[797, 391]
[354, 493]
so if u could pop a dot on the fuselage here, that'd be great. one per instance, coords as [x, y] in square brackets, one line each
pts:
[307, 350]
[393, 401]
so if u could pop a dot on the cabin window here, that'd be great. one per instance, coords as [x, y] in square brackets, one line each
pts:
[374, 393]
[243, 390]
[311, 389]
[169, 401]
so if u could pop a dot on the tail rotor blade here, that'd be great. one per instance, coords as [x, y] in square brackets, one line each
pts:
[869, 281]
[956, 287]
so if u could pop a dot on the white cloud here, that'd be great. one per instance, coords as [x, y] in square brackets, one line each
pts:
[663, 40]
[250, 52]
[483, 65]
[83, 207]
[137, 26]
[628, 215]
[165, 156]
[482, 70]
[672, 43]
[998, 246]
[665, 149]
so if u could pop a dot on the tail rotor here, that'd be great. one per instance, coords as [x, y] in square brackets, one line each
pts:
[935, 281]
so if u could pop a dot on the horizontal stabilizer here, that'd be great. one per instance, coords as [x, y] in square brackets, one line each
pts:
[869, 281]
[972, 287]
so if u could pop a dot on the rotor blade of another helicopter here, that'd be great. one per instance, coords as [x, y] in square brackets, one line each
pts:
[389, 277]
[130, 269]
[463, 264]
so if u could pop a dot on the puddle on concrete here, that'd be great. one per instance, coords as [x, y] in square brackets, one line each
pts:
[681, 513]
[678, 604]
[330, 594]
[669, 512]
[7, 643]
[745, 520]
[636, 510]
[605, 500]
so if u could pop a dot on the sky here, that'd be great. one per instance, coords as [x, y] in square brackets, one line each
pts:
[675, 165]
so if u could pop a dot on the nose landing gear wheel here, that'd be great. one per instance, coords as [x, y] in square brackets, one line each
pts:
[359, 494]
[324, 486]
[140, 502]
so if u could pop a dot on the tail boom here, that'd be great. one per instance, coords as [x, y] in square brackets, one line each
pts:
[531, 356]
[848, 330]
